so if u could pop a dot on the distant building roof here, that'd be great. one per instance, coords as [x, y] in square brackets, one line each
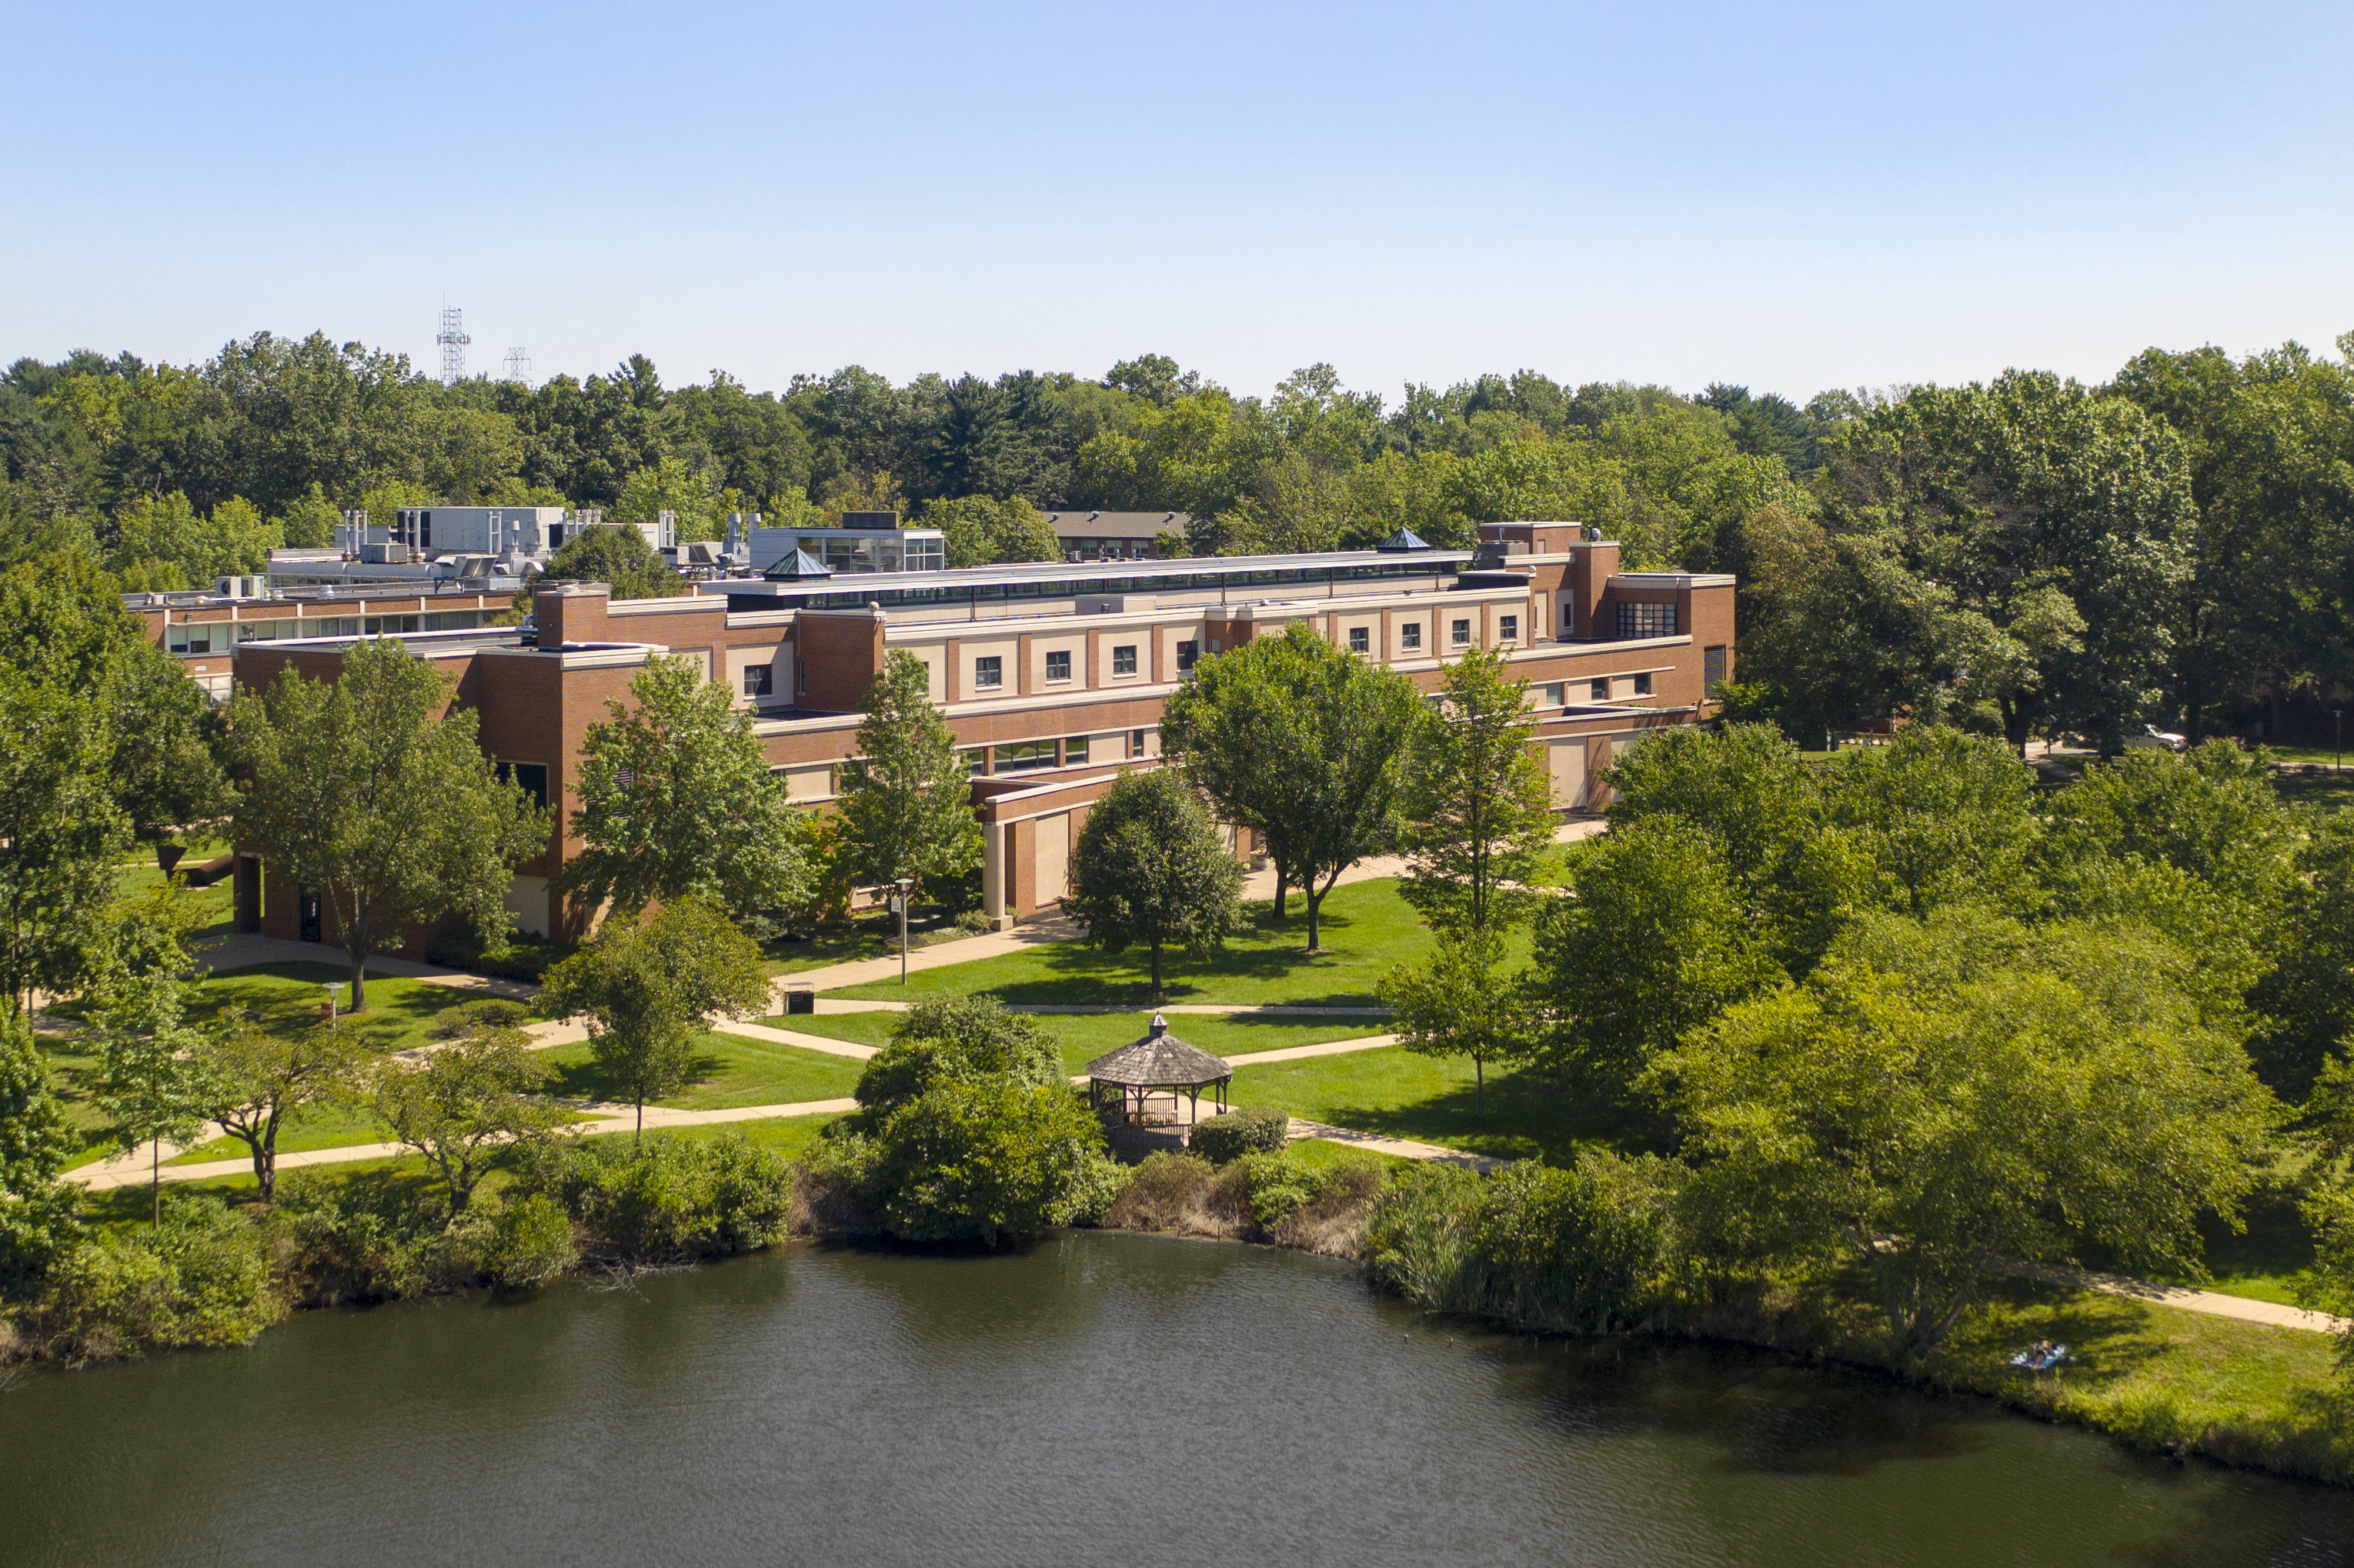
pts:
[800, 564]
[1117, 524]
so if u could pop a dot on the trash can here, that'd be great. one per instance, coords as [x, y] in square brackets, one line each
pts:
[801, 999]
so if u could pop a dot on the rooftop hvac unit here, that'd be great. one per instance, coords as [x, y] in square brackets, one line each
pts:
[243, 588]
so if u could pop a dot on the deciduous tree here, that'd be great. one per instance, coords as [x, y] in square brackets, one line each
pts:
[372, 793]
[907, 801]
[471, 1099]
[677, 801]
[647, 983]
[1477, 802]
[1151, 869]
[1301, 741]
[255, 1078]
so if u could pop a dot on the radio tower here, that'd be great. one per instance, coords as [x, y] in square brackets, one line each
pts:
[454, 341]
[518, 367]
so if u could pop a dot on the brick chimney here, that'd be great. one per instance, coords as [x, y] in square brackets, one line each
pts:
[571, 612]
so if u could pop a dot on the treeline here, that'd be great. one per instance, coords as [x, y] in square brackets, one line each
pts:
[2027, 557]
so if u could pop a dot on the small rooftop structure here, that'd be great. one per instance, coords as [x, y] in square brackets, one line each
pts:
[1403, 540]
[798, 566]
[1158, 1063]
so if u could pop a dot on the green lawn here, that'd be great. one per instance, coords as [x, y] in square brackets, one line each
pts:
[1429, 1099]
[213, 905]
[314, 1127]
[400, 1012]
[730, 1071]
[1088, 1035]
[1366, 929]
[869, 937]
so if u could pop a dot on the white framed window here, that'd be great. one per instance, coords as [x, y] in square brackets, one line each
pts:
[987, 673]
[1123, 659]
[1460, 634]
[1508, 629]
[1188, 655]
[1361, 640]
[757, 679]
[1410, 636]
[1058, 664]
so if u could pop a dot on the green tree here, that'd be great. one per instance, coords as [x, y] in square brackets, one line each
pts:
[647, 983]
[677, 801]
[1944, 816]
[1457, 1005]
[618, 558]
[1300, 741]
[469, 1101]
[906, 802]
[1652, 944]
[1151, 869]
[373, 793]
[232, 541]
[256, 1078]
[60, 831]
[37, 1211]
[671, 484]
[1929, 1126]
[311, 520]
[983, 532]
[954, 1040]
[151, 1083]
[1477, 802]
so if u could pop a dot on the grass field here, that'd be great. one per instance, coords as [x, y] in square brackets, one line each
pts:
[1366, 928]
[1084, 1036]
[1429, 1099]
[730, 1071]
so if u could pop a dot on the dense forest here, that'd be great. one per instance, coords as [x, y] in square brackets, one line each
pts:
[2028, 556]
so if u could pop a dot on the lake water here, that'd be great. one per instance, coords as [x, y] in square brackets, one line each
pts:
[1093, 1399]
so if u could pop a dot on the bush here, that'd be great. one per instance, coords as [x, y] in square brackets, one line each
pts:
[201, 1277]
[1170, 1193]
[989, 1159]
[1248, 1129]
[1590, 1247]
[530, 1243]
[954, 1040]
[1279, 1185]
[666, 1198]
[370, 1235]
[524, 957]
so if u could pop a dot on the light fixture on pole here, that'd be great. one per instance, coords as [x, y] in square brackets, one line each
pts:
[899, 907]
[334, 990]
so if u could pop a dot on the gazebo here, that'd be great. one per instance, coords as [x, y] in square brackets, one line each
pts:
[1158, 1063]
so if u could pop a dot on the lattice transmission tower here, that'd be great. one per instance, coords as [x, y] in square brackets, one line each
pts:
[454, 341]
[518, 367]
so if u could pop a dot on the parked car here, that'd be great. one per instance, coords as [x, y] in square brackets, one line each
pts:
[2156, 739]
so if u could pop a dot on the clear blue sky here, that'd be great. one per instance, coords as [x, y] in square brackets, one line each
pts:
[1790, 197]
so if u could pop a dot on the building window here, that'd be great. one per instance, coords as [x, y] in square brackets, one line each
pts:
[756, 679]
[976, 760]
[1598, 691]
[989, 671]
[1712, 664]
[1058, 665]
[188, 639]
[1460, 634]
[532, 776]
[1123, 661]
[1556, 694]
[1074, 752]
[1361, 640]
[1647, 620]
[1507, 627]
[1135, 743]
[1410, 636]
[1025, 757]
[1643, 684]
[1188, 655]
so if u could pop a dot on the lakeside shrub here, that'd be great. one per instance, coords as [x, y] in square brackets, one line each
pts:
[530, 1243]
[989, 1160]
[665, 1199]
[200, 1278]
[1274, 1197]
[1589, 1248]
[368, 1236]
[1247, 1129]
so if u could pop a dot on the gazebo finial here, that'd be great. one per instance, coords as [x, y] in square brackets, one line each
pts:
[1160, 1024]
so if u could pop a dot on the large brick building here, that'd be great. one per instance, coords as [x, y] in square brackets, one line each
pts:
[1052, 676]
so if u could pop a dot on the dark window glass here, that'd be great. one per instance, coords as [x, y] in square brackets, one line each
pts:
[1410, 634]
[756, 679]
[1647, 620]
[1460, 633]
[1507, 627]
[1712, 669]
[1599, 691]
[1136, 743]
[1361, 640]
[531, 775]
[1188, 653]
[1123, 661]
[989, 671]
[1643, 684]
[1058, 665]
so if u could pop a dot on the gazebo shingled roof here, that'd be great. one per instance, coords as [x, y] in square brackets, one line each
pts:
[1159, 1061]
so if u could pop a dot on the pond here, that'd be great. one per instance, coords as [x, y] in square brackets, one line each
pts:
[1094, 1398]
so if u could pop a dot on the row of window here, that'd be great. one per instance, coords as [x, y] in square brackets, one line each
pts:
[1062, 751]
[1174, 582]
[214, 636]
[1647, 620]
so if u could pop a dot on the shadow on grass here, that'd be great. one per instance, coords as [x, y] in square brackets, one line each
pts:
[1084, 976]
[584, 1080]
[1529, 1115]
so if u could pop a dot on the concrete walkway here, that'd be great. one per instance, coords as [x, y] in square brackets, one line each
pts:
[608, 1118]
[2213, 1303]
[238, 952]
[833, 1005]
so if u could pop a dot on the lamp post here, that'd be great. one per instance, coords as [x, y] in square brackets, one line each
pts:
[899, 903]
[334, 990]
